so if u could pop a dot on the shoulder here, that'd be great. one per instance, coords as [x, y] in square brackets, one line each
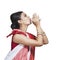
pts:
[16, 31]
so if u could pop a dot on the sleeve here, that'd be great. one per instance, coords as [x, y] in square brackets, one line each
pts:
[34, 36]
[15, 31]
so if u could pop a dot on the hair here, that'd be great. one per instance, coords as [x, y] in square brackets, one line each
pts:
[14, 19]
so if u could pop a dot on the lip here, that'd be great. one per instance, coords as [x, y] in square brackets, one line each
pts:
[30, 21]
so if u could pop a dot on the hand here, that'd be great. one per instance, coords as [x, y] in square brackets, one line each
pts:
[35, 20]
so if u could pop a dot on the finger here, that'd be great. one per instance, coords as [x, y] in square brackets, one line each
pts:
[34, 15]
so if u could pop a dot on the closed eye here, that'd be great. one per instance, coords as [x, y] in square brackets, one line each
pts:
[25, 15]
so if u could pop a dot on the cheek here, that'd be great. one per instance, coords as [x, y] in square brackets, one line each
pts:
[22, 18]
[26, 20]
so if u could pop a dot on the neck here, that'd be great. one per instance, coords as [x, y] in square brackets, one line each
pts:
[23, 28]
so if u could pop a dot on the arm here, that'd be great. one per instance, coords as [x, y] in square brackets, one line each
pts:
[45, 39]
[21, 39]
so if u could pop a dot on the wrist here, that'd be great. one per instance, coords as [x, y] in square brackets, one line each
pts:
[39, 31]
[44, 34]
[38, 25]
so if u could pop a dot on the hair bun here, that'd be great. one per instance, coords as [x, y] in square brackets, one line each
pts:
[13, 26]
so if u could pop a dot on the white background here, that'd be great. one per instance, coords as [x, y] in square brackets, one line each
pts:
[49, 12]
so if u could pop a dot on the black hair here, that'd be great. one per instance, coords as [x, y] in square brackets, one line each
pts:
[14, 19]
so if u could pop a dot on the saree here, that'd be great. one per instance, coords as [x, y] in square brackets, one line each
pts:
[20, 51]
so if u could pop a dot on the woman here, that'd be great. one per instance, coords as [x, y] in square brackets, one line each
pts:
[24, 43]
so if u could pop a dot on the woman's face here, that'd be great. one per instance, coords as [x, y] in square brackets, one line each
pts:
[25, 19]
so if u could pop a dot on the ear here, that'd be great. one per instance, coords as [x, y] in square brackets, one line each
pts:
[19, 21]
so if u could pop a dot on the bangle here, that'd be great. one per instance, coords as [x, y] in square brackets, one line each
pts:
[39, 34]
[44, 34]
